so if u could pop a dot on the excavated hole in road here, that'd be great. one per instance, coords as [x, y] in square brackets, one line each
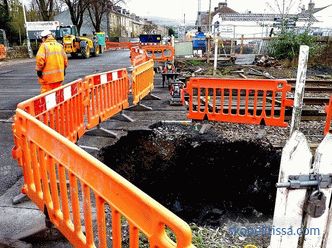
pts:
[206, 179]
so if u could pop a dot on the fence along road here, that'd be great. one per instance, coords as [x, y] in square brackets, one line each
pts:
[47, 157]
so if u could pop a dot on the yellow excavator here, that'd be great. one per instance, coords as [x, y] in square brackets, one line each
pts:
[74, 44]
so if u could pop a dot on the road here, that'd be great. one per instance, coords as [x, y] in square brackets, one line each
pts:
[18, 82]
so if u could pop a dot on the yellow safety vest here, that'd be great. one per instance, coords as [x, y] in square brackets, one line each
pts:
[52, 60]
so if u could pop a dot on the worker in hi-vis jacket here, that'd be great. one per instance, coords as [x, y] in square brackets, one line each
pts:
[51, 62]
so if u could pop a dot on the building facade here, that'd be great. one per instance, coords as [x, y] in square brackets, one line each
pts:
[118, 22]
[228, 23]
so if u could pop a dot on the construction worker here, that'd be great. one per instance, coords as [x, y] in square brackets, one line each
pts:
[168, 72]
[51, 62]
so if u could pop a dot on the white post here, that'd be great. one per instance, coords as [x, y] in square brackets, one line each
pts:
[288, 212]
[215, 56]
[299, 89]
[26, 29]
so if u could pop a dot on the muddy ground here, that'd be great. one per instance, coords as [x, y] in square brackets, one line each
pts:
[279, 69]
[217, 180]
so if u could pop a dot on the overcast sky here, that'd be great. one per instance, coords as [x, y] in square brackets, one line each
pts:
[176, 9]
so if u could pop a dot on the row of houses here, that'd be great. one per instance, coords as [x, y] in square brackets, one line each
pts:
[117, 22]
[229, 23]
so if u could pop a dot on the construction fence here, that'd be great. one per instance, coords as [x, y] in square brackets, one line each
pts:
[3, 51]
[251, 101]
[72, 187]
[328, 110]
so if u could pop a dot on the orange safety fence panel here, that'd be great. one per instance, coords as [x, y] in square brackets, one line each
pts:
[160, 53]
[3, 51]
[328, 110]
[107, 94]
[77, 190]
[54, 108]
[137, 55]
[120, 45]
[142, 80]
[252, 101]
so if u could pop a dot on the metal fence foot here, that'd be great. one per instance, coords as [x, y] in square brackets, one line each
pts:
[152, 97]
[102, 132]
[20, 198]
[139, 107]
[123, 117]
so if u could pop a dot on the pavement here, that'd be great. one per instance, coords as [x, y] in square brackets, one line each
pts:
[18, 82]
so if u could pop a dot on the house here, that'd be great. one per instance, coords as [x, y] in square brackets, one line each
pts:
[228, 23]
[118, 22]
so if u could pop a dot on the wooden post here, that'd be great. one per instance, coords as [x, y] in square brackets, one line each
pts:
[322, 165]
[288, 211]
[241, 48]
[299, 89]
[215, 56]
[208, 49]
[232, 47]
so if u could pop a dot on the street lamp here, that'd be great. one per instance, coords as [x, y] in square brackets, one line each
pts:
[26, 29]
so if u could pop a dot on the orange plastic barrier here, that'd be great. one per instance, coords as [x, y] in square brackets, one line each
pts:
[3, 52]
[107, 95]
[120, 45]
[49, 160]
[160, 53]
[54, 108]
[138, 56]
[328, 110]
[142, 80]
[252, 101]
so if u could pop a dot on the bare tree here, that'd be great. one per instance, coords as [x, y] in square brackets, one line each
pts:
[98, 8]
[46, 8]
[150, 28]
[284, 7]
[77, 9]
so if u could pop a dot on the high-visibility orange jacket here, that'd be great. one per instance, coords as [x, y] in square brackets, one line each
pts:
[52, 60]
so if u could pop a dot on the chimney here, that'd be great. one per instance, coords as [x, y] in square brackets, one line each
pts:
[311, 6]
[223, 4]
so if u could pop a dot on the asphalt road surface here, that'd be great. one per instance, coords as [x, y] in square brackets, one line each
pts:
[18, 82]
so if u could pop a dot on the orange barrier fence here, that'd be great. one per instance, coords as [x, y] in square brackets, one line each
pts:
[160, 53]
[54, 108]
[3, 51]
[107, 95]
[49, 161]
[138, 56]
[143, 77]
[70, 185]
[328, 110]
[120, 45]
[252, 101]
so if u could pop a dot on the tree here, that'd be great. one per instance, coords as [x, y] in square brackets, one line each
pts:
[77, 9]
[283, 8]
[171, 31]
[98, 8]
[46, 8]
[5, 16]
[150, 28]
[11, 20]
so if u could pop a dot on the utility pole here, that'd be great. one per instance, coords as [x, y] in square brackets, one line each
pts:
[26, 29]
[209, 24]
[209, 31]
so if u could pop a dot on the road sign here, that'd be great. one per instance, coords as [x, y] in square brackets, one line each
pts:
[37, 26]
